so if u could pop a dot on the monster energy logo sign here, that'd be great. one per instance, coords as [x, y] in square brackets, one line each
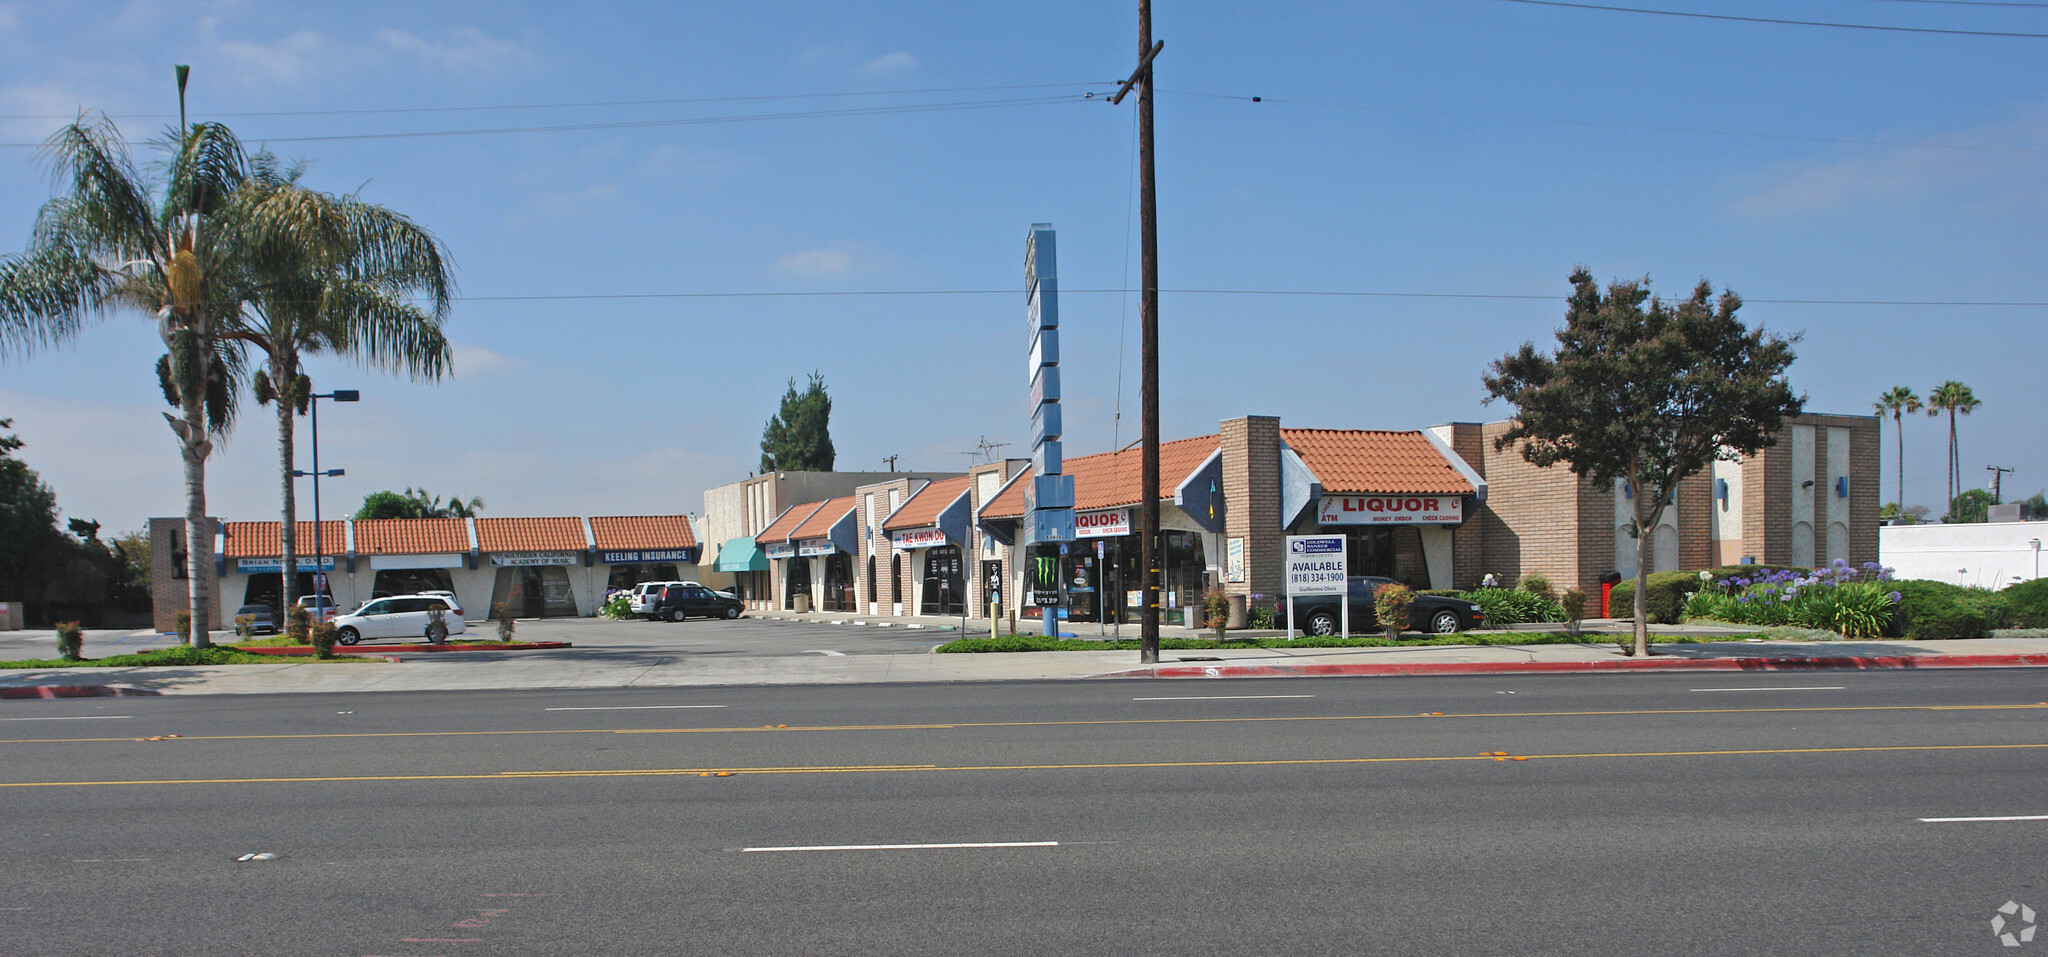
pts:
[1045, 581]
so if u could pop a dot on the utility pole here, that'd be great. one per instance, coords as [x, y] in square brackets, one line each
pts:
[1148, 317]
[1997, 473]
[891, 459]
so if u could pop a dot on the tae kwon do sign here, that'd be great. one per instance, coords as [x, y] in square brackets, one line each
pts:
[917, 538]
[1391, 510]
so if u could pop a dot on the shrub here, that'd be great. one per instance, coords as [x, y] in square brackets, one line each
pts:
[1390, 604]
[1539, 586]
[1506, 607]
[1737, 577]
[506, 627]
[1852, 610]
[1931, 611]
[184, 626]
[298, 625]
[70, 640]
[1664, 601]
[321, 637]
[1994, 606]
[1216, 609]
[617, 605]
[2028, 603]
[1261, 617]
[1574, 604]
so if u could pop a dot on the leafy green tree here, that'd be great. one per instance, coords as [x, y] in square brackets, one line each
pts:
[1955, 399]
[114, 240]
[329, 274]
[1898, 402]
[29, 539]
[799, 437]
[1972, 505]
[1645, 392]
[2035, 509]
[416, 503]
[1891, 514]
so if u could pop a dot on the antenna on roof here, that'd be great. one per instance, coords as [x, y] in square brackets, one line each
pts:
[985, 450]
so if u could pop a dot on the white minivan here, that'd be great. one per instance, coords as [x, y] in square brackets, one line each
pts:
[401, 616]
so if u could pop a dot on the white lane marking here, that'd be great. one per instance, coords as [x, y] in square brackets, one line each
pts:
[1227, 697]
[1973, 820]
[897, 847]
[110, 860]
[1814, 688]
[834, 654]
[72, 717]
[641, 707]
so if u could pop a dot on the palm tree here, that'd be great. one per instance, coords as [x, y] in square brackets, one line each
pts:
[1900, 401]
[329, 274]
[1954, 398]
[113, 240]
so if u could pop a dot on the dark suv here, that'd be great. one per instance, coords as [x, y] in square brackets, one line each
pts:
[1440, 614]
[678, 602]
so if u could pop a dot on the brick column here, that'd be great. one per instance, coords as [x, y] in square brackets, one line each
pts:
[1251, 493]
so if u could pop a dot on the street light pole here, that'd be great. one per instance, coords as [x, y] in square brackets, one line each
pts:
[319, 547]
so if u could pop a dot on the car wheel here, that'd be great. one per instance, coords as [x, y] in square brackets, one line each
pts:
[676, 614]
[437, 633]
[1321, 624]
[348, 635]
[1444, 623]
[732, 611]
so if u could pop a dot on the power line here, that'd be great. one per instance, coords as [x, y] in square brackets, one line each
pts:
[1337, 293]
[586, 105]
[898, 109]
[1604, 124]
[1772, 20]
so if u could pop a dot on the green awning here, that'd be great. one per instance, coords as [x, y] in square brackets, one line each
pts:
[740, 555]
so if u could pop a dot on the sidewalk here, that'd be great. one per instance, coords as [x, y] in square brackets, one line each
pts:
[596, 668]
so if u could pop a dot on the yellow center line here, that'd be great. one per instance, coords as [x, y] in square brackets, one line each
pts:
[1135, 765]
[1105, 722]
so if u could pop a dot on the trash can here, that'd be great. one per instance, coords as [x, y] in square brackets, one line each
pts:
[803, 603]
[1236, 618]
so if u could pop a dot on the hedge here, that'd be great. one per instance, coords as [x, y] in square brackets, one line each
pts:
[1932, 611]
[2028, 603]
[1663, 603]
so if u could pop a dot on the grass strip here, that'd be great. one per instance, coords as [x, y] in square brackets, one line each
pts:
[182, 655]
[1018, 643]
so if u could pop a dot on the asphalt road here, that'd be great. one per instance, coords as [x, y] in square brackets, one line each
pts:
[1672, 814]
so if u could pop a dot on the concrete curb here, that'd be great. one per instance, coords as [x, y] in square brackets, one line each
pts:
[77, 691]
[1885, 663]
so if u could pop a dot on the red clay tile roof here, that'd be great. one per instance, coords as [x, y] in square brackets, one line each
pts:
[778, 530]
[259, 539]
[1366, 462]
[530, 534]
[412, 536]
[642, 532]
[821, 521]
[923, 508]
[1113, 479]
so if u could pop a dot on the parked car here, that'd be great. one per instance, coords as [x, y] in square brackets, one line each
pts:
[401, 616]
[262, 618]
[329, 609]
[678, 602]
[645, 595]
[1438, 614]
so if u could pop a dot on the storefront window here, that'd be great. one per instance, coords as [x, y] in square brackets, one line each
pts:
[542, 592]
[624, 577]
[896, 579]
[410, 581]
[1369, 551]
[838, 582]
[797, 580]
[263, 588]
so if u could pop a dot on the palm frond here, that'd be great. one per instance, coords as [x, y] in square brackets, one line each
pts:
[385, 331]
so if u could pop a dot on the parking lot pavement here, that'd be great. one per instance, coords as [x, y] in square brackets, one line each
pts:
[38, 643]
[743, 637]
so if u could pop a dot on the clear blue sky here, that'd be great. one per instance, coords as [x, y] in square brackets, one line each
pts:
[1460, 148]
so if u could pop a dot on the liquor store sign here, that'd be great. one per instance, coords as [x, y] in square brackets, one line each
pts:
[1391, 510]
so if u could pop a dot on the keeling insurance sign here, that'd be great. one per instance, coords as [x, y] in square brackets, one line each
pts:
[1391, 510]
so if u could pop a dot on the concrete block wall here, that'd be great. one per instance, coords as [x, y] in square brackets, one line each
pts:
[1538, 521]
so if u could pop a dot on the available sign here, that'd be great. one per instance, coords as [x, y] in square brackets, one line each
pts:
[277, 564]
[1391, 510]
[1315, 565]
[648, 555]
[540, 558]
[917, 538]
[1102, 524]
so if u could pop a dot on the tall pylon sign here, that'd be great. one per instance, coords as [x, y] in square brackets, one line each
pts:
[1049, 509]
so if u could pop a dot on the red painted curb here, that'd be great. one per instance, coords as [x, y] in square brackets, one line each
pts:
[1884, 663]
[77, 691]
[300, 650]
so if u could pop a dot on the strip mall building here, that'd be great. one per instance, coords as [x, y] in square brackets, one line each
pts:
[1436, 508]
[531, 567]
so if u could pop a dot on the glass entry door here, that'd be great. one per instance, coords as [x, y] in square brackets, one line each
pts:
[945, 581]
